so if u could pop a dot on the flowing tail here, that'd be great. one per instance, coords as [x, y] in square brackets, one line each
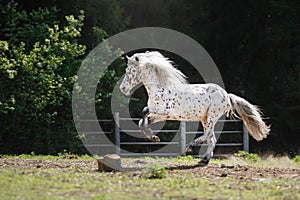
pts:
[251, 116]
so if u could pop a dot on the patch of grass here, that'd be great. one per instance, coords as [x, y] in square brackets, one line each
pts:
[296, 159]
[156, 171]
[189, 157]
[248, 157]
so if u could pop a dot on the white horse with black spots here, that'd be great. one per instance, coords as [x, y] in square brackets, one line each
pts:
[172, 98]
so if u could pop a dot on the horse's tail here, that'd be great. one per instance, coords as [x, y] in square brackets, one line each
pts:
[251, 116]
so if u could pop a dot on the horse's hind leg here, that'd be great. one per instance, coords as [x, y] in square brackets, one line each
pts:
[211, 141]
[200, 139]
[209, 136]
[143, 124]
[212, 119]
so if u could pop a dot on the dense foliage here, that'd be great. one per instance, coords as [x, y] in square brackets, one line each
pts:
[36, 80]
[255, 44]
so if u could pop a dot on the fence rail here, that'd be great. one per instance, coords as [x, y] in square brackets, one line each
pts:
[178, 144]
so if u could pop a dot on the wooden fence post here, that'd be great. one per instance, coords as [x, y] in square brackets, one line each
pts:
[117, 132]
[245, 139]
[182, 138]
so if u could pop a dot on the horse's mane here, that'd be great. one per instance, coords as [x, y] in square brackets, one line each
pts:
[165, 72]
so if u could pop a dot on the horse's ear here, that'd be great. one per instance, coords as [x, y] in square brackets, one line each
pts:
[127, 57]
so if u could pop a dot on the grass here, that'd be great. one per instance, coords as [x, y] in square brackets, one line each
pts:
[296, 159]
[249, 157]
[155, 171]
[75, 177]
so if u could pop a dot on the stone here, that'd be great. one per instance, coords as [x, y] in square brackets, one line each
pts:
[109, 163]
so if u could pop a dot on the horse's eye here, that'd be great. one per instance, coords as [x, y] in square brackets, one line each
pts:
[133, 70]
[136, 59]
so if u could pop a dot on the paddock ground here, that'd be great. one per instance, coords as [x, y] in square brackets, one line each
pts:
[76, 177]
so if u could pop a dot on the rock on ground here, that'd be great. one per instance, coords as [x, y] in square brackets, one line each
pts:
[110, 162]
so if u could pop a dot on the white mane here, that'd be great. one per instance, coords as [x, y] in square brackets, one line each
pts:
[163, 68]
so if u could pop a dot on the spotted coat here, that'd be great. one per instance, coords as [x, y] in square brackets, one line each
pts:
[172, 98]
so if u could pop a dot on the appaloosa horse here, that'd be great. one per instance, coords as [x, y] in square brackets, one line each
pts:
[172, 98]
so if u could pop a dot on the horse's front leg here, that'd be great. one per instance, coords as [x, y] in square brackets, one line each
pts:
[143, 124]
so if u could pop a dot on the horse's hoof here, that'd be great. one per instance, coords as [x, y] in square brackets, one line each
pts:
[203, 162]
[147, 132]
[155, 138]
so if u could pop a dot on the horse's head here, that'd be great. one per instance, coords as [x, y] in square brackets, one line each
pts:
[133, 75]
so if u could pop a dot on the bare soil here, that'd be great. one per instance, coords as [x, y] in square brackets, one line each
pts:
[234, 167]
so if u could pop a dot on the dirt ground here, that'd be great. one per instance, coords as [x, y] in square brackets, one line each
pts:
[59, 177]
[240, 172]
[233, 167]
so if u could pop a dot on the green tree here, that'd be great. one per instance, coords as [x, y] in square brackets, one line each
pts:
[104, 17]
[19, 25]
[36, 85]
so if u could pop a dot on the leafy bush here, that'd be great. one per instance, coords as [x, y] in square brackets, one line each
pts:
[36, 84]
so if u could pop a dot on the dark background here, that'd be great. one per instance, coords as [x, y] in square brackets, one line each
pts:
[254, 43]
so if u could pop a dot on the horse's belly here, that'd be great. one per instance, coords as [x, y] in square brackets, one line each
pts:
[188, 112]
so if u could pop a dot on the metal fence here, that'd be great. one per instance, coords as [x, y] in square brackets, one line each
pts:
[128, 146]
